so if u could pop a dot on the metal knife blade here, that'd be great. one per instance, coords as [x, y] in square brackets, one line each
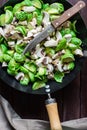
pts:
[55, 24]
[39, 38]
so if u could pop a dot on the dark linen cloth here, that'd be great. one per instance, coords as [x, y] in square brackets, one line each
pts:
[10, 120]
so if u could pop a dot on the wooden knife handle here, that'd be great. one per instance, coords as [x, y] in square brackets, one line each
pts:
[68, 13]
[52, 110]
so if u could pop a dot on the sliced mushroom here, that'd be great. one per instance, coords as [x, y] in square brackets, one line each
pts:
[46, 19]
[11, 43]
[19, 76]
[19, 42]
[50, 43]
[78, 52]
[39, 61]
[2, 32]
[68, 37]
[50, 76]
[59, 66]
[4, 64]
[50, 68]
[33, 22]
[22, 23]
[58, 36]
[39, 28]
[8, 28]
[57, 55]
[28, 8]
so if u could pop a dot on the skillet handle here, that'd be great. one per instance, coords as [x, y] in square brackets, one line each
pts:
[52, 110]
[68, 13]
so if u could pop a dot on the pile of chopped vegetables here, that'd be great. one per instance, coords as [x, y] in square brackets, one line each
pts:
[52, 58]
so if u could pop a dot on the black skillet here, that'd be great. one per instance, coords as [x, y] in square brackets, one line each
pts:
[54, 86]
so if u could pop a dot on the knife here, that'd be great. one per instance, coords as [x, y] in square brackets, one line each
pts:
[54, 25]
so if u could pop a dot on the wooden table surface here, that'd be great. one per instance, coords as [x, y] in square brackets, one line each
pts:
[72, 100]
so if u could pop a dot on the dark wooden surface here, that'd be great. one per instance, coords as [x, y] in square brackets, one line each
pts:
[72, 100]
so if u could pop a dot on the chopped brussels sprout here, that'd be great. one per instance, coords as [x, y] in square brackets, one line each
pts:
[29, 17]
[13, 66]
[17, 8]
[58, 76]
[58, 6]
[8, 8]
[28, 2]
[31, 76]
[31, 67]
[6, 57]
[12, 72]
[3, 48]
[61, 45]
[67, 57]
[38, 85]
[2, 19]
[37, 4]
[71, 66]
[42, 71]
[24, 70]
[21, 16]
[19, 48]
[8, 16]
[50, 51]
[10, 52]
[76, 41]
[21, 29]
[25, 80]
[19, 58]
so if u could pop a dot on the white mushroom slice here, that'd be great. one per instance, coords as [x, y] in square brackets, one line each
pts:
[58, 36]
[43, 61]
[13, 32]
[19, 42]
[50, 68]
[8, 29]
[39, 28]
[68, 37]
[34, 56]
[57, 55]
[22, 22]
[15, 36]
[65, 67]
[19, 76]
[78, 52]
[39, 52]
[2, 32]
[46, 19]
[50, 76]
[33, 22]
[39, 61]
[34, 31]
[11, 43]
[48, 38]
[47, 60]
[28, 8]
[55, 62]
[59, 66]
[4, 64]
[51, 43]
[29, 34]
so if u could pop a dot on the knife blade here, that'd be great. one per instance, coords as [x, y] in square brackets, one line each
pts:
[54, 25]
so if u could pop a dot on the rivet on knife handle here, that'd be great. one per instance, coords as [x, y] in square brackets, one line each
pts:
[69, 13]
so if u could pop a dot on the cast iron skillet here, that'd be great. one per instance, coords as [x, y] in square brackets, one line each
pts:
[54, 86]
